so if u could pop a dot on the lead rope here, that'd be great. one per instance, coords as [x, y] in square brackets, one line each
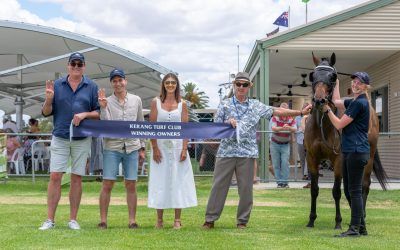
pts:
[336, 133]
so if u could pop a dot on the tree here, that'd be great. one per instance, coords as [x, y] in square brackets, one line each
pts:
[197, 98]
[46, 125]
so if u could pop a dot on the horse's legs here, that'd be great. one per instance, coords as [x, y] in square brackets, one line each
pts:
[337, 194]
[314, 190]
[365, 188]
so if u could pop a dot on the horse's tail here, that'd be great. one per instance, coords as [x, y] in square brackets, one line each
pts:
[379, 171]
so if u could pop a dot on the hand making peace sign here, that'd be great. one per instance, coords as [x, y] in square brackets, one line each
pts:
[102, 98]
[49, 89]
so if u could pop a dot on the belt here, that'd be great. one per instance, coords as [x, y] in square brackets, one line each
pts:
[278, 142]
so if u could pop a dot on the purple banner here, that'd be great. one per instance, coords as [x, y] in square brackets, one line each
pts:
[153, 130]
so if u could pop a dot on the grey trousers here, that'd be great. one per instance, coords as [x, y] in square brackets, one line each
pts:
[224, 169]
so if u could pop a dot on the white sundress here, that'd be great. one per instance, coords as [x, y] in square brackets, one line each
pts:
[171, 182]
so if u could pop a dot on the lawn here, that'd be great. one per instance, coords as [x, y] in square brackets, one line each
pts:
[278, 221]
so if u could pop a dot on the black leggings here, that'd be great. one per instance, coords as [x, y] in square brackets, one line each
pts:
[353, 169]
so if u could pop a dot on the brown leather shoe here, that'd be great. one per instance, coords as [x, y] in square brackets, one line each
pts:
[102, 225]
[241, 226]
[133, 226]
[208, 225]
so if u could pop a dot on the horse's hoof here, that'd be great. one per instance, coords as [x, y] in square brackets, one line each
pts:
[310, 225]
[338, 227]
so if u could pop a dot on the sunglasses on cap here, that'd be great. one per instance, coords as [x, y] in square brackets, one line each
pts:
[170, 82]
[78, 64]
[241, 84]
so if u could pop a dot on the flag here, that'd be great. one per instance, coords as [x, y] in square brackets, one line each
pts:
[273, 32]
[283, 20]
[305, 1]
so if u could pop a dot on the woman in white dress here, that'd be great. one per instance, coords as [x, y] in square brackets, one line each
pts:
[171, 182]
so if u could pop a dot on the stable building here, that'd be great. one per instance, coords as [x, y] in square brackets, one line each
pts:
[364, 38]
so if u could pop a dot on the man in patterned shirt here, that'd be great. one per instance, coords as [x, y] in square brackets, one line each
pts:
[238, 156]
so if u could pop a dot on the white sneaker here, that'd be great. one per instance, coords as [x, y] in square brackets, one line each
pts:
[48, 224]
[73, 224]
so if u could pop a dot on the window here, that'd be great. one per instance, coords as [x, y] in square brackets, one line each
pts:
[379, 100]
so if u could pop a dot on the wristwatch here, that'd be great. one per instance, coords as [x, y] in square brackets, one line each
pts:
[327, 111]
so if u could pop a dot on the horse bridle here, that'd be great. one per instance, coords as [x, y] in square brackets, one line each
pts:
[327, 99]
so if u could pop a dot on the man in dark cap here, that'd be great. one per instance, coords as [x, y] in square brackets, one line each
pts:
[121, 106]
[73, 97]
[238, 156]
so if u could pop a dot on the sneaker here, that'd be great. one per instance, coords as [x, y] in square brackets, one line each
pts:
[48, 224]
[73, 224]
[308, 185]
[284, 185]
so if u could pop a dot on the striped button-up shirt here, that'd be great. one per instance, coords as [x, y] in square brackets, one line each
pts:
[129, 110]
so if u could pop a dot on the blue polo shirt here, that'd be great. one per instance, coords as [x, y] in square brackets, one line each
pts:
[67, 103]
[355, 135]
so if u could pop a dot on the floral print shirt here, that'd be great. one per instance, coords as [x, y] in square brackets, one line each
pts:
[247, 115]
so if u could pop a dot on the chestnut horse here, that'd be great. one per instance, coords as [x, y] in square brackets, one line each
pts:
[322, 140]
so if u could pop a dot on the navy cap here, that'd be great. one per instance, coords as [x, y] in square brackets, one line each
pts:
[117, 72]
[363, 76]
[76, 56]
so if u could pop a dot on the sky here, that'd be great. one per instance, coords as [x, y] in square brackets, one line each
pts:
[203, 40]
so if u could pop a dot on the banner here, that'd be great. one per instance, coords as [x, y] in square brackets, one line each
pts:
[153, 130]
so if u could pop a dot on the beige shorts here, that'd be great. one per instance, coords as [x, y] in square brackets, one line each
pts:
[63, 149]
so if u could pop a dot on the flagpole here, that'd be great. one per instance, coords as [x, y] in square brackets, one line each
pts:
[238, 57]
[306, 13]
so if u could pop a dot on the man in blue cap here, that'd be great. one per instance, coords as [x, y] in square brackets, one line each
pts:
[121, 106]
[73, 97]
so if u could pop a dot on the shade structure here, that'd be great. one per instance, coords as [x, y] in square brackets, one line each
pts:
[31, 54]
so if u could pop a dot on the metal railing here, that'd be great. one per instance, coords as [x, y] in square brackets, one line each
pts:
[203, 156]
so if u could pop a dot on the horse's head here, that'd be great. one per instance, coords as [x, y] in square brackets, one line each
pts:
[323, 80]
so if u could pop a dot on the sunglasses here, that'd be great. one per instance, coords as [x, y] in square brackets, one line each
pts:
[170, 82]
[244, 85]
[78, 64]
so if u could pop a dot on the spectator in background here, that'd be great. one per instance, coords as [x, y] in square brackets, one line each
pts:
[307, 176]
[33, 126]
[9, 123]
[207, 159]
[300, 147]
[280, 147]
[12, 145]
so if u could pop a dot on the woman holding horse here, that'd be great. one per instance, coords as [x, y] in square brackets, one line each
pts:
[355, 146]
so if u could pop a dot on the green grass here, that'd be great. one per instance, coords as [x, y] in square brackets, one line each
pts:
[277, 221]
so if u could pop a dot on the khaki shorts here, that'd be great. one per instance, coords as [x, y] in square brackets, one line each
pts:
[63, 149]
